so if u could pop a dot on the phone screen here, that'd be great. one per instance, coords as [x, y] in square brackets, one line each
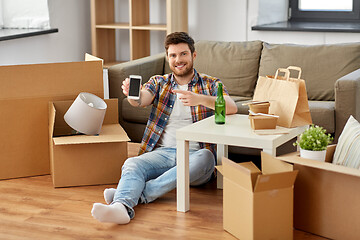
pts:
[134, 87]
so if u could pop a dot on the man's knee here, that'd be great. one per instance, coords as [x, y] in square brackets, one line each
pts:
[205, 158]
[130, 164]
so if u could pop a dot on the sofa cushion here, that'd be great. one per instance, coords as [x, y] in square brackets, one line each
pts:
[236, 64]
[135, 114]
[321, 65]
[239, 101]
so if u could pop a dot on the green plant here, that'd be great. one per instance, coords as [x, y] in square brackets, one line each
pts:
[314, 139]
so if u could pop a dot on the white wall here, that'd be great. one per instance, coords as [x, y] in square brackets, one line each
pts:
[217, 20]
[226, 20]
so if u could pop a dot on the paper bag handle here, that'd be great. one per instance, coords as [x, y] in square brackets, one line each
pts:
[284, 70]
[296, 69]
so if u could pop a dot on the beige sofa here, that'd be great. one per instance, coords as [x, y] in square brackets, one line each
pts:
[331, 73]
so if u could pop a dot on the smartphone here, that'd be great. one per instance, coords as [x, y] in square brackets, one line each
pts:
[134, 88]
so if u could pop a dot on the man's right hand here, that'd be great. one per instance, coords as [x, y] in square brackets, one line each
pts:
[145, 96]
[125, 86]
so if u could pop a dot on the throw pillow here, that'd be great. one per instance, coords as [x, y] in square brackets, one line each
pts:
[347, 152]
[236, 64]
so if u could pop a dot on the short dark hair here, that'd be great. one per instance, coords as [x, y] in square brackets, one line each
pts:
[179, 37]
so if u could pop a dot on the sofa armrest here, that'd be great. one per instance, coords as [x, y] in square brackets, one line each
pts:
[146, 67]
[347, 100]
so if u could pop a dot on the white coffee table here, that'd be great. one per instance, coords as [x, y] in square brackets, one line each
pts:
[236, 132]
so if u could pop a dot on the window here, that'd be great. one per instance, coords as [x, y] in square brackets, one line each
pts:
[24, 14]
[24, 18]
[325, 10]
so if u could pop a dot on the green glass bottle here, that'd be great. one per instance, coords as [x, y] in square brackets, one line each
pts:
[220, 106]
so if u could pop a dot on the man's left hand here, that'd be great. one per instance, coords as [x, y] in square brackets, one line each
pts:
[188, 98]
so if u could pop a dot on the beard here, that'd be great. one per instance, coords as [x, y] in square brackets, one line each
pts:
[187, 71]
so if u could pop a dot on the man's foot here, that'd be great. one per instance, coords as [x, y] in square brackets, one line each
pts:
[115, 213]
[109, 195]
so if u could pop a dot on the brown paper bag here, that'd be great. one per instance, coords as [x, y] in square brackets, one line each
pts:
[287, 97]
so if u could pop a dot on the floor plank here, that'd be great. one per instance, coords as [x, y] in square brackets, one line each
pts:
[31, 208]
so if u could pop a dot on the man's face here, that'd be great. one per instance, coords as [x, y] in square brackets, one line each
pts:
[180, 59]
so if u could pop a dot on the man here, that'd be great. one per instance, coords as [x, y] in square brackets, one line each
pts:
[179, 99]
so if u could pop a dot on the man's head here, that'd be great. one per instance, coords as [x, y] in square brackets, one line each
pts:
[180, 52]
[179, 37]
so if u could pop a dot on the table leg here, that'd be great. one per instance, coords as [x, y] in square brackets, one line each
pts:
[297, 146]
[222, 151]
[182, 183]
[271, 151]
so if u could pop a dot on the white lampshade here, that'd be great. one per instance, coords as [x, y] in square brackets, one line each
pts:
[86, 114]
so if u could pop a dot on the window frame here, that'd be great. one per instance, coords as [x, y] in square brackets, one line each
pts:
[324, 16]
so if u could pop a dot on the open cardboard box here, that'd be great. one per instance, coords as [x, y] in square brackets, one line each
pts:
[327, 197]
[25, 93]
[82, 159]
[258, 205]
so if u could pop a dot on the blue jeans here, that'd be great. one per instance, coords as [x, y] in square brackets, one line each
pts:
[152, 174]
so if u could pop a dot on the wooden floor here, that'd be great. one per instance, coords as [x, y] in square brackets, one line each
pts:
[30, 208]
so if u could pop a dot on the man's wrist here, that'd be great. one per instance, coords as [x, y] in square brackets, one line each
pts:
[134, 102]
[207, 101]
[138, 101]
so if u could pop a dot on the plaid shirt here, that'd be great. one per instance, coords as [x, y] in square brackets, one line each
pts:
[163, 102]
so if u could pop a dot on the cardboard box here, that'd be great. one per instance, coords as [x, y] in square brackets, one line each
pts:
[258, 205]
[86, 160]
[262, 122]
[25, 93]
[327, 197]
[260, 107]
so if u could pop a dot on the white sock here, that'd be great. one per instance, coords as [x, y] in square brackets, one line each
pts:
[109, 195]
[115, 213]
